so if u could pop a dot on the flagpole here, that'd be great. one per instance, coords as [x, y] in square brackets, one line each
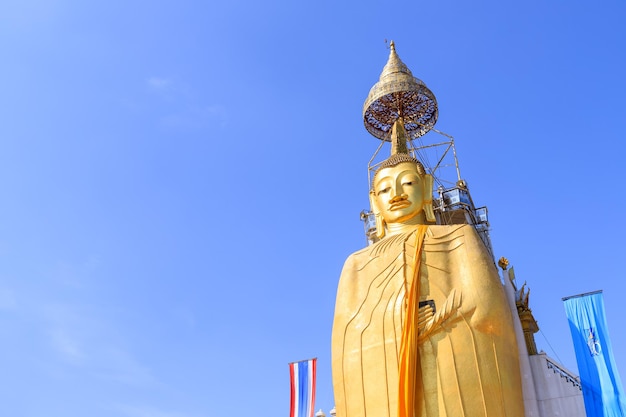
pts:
[582, 295]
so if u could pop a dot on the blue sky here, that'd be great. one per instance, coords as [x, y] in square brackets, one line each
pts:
[181, 183]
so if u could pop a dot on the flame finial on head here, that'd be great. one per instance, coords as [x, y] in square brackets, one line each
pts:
[399, 150]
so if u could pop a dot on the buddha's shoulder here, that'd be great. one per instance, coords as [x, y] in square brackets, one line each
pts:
[388, 245]
[434, 234]
[450, 231]
[453, 234]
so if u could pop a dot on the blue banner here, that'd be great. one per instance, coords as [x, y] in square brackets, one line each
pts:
[602, 387]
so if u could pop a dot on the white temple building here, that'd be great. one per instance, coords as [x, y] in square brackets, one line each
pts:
[550, 389]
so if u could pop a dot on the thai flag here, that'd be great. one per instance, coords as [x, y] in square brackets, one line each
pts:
[303, 387]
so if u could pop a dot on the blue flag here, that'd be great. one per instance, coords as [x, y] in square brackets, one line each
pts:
[602, 387]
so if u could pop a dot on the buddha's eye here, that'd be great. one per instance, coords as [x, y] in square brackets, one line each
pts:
[383, 191]
[410, 180]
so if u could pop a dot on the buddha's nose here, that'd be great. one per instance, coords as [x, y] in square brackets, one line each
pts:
[395, 192]
[398, 197]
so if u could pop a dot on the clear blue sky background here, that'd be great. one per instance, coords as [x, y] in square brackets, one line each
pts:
[181, 183]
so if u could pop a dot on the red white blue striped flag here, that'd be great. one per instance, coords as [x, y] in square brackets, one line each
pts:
[303, 375]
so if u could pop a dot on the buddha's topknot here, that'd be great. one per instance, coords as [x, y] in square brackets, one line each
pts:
[399, 150]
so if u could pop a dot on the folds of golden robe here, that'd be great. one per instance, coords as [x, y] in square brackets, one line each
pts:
[467, 351]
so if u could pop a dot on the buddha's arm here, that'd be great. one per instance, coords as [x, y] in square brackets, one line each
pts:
[346, 306]
[482, 291]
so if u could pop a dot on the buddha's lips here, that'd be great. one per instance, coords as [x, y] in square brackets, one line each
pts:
[399, 205]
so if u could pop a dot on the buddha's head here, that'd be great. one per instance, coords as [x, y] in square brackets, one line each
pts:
[401, 193]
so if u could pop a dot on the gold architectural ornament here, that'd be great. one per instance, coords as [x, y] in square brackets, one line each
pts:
[503, 263]
[529, 324]
[422, 327]
[398, 94]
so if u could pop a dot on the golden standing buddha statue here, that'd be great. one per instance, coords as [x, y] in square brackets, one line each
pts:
[422, 327]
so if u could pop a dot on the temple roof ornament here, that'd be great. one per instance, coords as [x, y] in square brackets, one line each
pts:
[503, 263]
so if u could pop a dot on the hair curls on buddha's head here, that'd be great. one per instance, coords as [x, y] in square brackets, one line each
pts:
[397, 159]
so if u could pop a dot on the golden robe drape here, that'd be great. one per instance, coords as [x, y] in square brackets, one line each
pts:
[467, 352]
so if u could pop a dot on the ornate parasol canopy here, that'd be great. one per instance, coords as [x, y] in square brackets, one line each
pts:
[398, 94]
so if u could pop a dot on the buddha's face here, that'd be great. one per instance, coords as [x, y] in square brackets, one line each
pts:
[399, 193]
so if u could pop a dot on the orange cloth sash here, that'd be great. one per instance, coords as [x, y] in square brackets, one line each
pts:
[410, 369]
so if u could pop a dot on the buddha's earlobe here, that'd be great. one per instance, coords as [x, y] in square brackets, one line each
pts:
[428, 198]
[380, 222]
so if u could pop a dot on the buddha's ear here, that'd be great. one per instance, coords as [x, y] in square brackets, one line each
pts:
[380, 222]
[428, 198]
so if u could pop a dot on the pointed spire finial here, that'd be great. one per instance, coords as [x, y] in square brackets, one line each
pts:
[395, 67]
